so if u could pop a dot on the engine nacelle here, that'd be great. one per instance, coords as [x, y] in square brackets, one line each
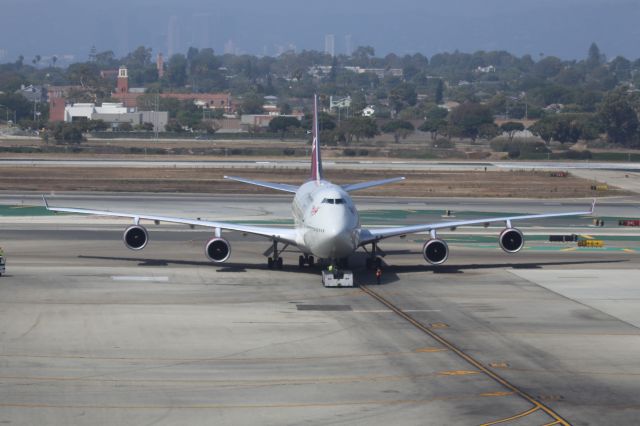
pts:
[511, 240]
[435, 251]
[135, 237]
[218, 250]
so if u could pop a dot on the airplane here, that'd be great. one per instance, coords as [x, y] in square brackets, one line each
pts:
[326, 223]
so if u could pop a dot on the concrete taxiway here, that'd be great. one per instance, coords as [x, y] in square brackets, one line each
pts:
[91, 333]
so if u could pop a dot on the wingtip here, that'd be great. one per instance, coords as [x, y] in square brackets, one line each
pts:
[593, 206]
[46, 204]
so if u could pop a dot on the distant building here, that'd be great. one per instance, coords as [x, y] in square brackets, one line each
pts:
[262, 120]
[57, 101]
[129, 96]
[222, 101]
[486, 70]
[108, 74]
[115, 114]
[369, 111]
[173, 36]
[330, 45]
[33, 93]
[348, 45]
[379, 72]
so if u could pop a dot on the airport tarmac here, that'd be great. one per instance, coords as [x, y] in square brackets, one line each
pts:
[92, 333]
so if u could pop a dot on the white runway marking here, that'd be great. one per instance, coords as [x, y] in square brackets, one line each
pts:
[139, 278]
[385, 311]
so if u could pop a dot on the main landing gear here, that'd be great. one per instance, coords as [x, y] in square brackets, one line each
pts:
[305, 260]
[275, 260]
[373, 261]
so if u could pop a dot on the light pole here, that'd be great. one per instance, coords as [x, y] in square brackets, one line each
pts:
[7, 113]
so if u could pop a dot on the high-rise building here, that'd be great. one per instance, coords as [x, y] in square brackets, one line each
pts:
[330, 44]
[230, 48]
[348, 45]
[200, 31]
[173, 37]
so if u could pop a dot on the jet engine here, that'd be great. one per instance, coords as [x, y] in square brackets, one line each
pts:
[218, 250]
[135, 237]
[435, 251]
[511, 240]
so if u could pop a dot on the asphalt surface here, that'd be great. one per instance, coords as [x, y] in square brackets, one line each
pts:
[92, 333]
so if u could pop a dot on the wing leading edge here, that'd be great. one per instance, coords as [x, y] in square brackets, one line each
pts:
[288, 235]
[363, 185]
[371, 235]
[277, 186]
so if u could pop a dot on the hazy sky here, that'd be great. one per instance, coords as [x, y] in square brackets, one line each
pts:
[563, 28]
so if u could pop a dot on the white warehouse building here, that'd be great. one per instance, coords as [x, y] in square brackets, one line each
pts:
[114, 114]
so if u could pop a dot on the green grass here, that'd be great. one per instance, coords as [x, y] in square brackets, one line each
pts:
[24, 211]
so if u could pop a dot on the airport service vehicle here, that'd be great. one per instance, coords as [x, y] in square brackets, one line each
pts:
[326, 223]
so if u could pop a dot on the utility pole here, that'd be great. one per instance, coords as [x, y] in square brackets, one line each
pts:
[156, 124]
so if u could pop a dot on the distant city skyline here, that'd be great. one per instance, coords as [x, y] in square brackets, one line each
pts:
[563, 28]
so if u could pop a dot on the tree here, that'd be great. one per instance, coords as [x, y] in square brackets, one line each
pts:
[566, 128]
[285, 108]
[466, 119]
[511, 127]
[403, 95]
[125, 127]
[64, 133]
[439, 95]
[488, 131]
[252, 103]
[362, 55]
[17, 104]
[399, 129]
[618, 117]
[325, 121]
[359, 127]
[435, 121]
[594, 57]
[544, 129]
[283, 124]
[173, 126]
[177, 70]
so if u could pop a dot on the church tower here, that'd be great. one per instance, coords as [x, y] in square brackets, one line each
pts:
[123, 80]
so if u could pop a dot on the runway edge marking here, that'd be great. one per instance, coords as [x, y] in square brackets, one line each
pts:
[559, 420]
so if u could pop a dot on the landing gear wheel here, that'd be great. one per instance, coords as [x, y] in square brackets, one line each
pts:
[279, 263]
[270, 263]
[310, 260]
[301, 261]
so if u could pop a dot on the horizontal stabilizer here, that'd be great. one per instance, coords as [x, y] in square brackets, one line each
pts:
[277, 186]
[364, 185]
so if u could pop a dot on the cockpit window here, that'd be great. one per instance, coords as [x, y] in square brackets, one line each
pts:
[333, 201]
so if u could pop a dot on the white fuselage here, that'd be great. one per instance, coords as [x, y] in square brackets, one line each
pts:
[326, 219]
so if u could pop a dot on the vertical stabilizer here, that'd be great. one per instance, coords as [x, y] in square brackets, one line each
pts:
[316, 161]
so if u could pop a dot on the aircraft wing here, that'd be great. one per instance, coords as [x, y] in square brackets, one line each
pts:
[371, 235]
[288, 235]
[277, 186]
[364, 185]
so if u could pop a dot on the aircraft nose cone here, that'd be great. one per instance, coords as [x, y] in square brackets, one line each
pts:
[340, 232]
